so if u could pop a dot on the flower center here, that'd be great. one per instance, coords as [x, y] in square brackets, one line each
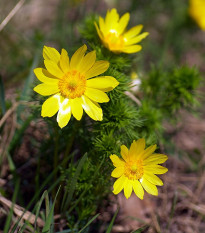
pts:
[113, 40]
[134, 170]
[72, 85]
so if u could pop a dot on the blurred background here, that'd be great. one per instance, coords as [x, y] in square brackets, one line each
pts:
[175, 39]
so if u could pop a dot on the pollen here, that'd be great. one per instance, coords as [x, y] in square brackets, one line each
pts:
[134, 170]
[72, 85]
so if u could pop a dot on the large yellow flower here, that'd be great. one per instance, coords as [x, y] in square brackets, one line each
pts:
[72, 85]
[137, 168]
[112, 33]
[197, 12]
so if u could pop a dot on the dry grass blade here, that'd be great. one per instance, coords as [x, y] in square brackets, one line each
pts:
[11, 14]
[133, 97]
[12, 109]
[19, 211]
[198, 208]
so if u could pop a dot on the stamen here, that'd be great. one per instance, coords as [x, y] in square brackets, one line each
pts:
[72, 85]
[134, 170]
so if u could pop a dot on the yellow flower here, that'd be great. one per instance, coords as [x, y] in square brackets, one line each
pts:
[112, 33]
[197, 12]
[137, 168]
[72, 85]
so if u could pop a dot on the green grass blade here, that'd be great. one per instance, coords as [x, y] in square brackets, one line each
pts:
[65, 231]
[26, 92]
[44, 196]
[2, 97]
[89, 222]
[12, 166]
[141, 229]
[18, 134]
[26, 224]
[49, 220]
[112, 221]
[70, 191]
[9, 217]
[38, 192]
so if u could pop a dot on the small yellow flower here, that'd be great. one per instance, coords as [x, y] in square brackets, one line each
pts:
[72, 85]
[197, 12]
[112, 33]
[137, 168]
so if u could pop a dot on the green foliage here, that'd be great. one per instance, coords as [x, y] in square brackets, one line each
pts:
[173, 90]
[77, 156]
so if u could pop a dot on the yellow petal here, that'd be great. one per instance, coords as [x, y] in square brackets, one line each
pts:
[119, 184]
[123, 23]
[87, 62]
[76, 108]
[46, 89]
[133, 149]
[155, 159]
[156, 169]
[53, 68]
[117, 172]
[44, 76]
[153, 178]
[51, 54]
[77, 57]
[128, 188]
[137, 148]
[132, 49]
[102, 25]
[98, 31]
[148, 151]
[64, 61]
[124, 152]
[117, 162]
[103, 83]
[64, 113]
[134, 31]
[51, 106]
[137, 187]
[98, 68]
[111, 19]
[96, 95]
[92, 108]
[137, 39]
[149, 187]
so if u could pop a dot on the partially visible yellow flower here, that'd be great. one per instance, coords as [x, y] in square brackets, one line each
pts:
[72, 85]
[137, 168]
[113, 35]
[197, 12]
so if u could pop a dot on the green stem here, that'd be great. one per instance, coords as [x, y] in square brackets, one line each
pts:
[55, 161]
[77, 125]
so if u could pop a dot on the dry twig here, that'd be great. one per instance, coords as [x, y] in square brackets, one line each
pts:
[19, 211]
[11, 14]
